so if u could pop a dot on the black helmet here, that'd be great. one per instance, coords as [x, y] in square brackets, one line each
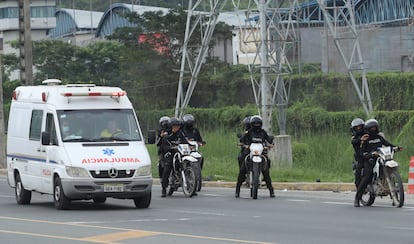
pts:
[188, 120]
[246, 123]
[164, 121]
[256, 121]
[372, 126]
[357, 125]
[175, 121]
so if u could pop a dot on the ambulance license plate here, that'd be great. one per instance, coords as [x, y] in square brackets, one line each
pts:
[113, 187]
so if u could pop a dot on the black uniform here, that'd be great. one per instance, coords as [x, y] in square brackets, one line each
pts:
[255, 135]
[370, 145]
[357, 145]
[162, 131]
[167, 144]
[243, 150]
[193, 134]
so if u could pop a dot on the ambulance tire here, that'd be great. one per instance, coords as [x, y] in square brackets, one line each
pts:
[143, 202]
[23, 196]
[60, 200]
[99, 200]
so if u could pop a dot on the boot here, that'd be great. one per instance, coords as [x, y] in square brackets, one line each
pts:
[237, 195]
[163, 192]
[356, 203]
[272, 193]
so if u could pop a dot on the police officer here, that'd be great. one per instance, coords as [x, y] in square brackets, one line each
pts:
[190, 131]
[243, 150]
[162, 131]
[256, 134]
[175, 137]
[369, 145]
[358, 137]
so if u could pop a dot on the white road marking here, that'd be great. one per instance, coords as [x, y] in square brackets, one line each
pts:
[7, 196]
[339, 203]
[199, 212]
[298, 200]
[126, 221]
[398, 228]
[213, 195]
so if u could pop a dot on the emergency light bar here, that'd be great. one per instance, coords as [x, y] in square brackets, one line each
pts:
[94, 94]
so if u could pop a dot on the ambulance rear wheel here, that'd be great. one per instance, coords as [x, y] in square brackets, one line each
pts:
[23, 196]
[60, 200]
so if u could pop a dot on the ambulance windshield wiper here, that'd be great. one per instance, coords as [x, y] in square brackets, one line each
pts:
[111, 139]
[117, 138]
[78, 139]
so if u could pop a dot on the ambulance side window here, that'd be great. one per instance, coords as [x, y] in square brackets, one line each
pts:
[36, 125]
[51, 128]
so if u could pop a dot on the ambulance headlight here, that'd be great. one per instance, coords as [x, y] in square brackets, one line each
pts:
[76, 172]
[144, 171]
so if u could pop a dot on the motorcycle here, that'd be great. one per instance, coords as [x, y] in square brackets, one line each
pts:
[183, 173]
[386, 180]
[197, 166]
[255, 161]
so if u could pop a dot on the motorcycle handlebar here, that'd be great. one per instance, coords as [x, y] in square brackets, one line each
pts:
[267, 146]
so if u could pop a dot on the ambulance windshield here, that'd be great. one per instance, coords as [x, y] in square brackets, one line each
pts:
[98, 125]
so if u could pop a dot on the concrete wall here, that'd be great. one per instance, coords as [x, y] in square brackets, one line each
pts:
[383, 49]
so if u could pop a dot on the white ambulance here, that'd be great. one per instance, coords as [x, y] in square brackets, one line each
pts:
[76, 142]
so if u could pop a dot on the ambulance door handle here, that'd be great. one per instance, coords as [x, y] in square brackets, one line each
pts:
[41, 150]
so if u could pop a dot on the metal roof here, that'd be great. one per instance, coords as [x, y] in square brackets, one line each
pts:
[69, 21]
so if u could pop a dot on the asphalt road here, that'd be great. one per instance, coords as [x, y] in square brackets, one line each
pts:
[214, 216]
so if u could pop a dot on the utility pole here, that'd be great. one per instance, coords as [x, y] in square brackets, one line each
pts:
[3, 163]
[270, 28]
[25, 43]
[266, 93]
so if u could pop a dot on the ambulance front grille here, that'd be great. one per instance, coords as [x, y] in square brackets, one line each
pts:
[108, 174]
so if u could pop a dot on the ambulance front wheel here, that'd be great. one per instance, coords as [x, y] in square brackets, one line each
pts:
[60, 200]
[143, 202]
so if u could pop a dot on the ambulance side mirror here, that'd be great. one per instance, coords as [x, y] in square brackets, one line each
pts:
[45, 138]
[151, 136]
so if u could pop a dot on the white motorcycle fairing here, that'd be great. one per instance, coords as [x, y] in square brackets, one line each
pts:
[391, 164]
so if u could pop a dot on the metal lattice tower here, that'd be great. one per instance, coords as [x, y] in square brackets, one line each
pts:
[192, 60]
[340, 21]
[272, 31]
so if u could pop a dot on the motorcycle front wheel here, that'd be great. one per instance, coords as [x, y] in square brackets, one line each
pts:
[174, 183]
[197, 171]
[368, 198]
[397, 189]
[255, 179]
[189, 183]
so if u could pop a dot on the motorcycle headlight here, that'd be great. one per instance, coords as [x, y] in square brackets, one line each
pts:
[144, 171]
[76, 172]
